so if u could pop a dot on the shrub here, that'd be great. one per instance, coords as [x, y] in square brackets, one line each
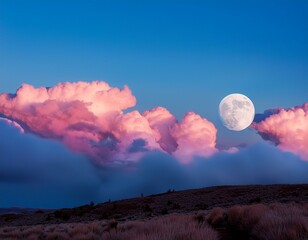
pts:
[255, 200]
[199, 217]
[164, 211]
[201, 206]
[114, 206]
[60, 214]
[57, 236]
[147, 208]
[176, 206]
[217, 217]
[258, 221]
[282, 222]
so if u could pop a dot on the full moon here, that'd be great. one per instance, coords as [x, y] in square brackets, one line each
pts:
[236, 111]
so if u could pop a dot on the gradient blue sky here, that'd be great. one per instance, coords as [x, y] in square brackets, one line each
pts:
[183, 55]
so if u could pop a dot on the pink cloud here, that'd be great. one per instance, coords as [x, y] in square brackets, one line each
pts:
[161, 121]
[195, 136]
[288, 129]
[89, 118]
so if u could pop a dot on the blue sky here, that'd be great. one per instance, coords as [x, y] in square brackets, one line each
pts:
[184, 55]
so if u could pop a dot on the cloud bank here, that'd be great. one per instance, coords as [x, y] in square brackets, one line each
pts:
[89, 118]
[39, 127]
[45, 174]
[37, 172]
[286, 128]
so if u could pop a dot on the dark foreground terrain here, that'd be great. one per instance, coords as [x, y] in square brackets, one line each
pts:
[270, 212]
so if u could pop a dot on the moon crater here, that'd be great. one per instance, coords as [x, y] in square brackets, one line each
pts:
[236, 111]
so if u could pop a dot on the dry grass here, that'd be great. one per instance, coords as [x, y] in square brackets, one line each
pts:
[283, 222]
[173, 226]
[264, 222]
[256, 222]
[217, 217]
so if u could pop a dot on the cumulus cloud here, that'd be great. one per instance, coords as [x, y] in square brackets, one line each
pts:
[43, 173]
[286, 128]
[195, 136]
[89, 118]
[161, 121]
